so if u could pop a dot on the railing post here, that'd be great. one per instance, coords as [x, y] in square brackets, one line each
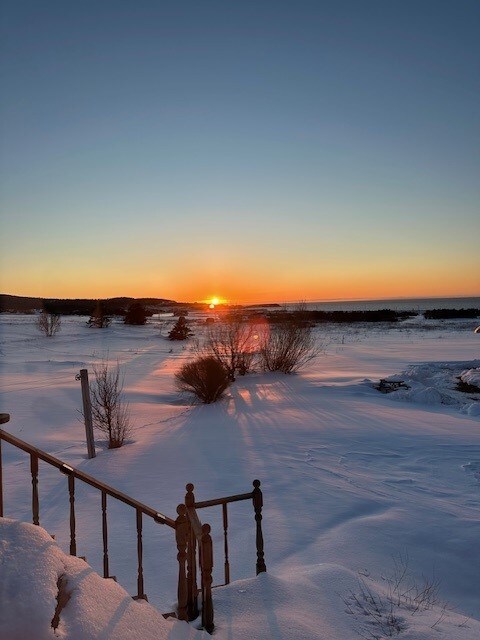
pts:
[71, 492]
[257, 505]
[106, 571]
[181, 534]
[192, 596]
[225, 543]
[140, 588]
[207, 566]
[35, 503]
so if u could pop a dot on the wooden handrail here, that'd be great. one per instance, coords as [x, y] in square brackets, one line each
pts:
[257, 501]
[225, 500]
[84, 477]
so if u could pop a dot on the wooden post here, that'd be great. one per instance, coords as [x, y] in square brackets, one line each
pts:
[181, 532]
[106, 570]
[71, 493]
[35, 504]
[207, 566]
[192, 598]
[141, 595]
[87, 413]
[257, 505]
[225, 543]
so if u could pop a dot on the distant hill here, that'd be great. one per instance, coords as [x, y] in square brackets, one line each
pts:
[79, 306]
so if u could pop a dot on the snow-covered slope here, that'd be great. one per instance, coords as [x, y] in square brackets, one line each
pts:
[34, 571]
[351, 477]
[320, 601]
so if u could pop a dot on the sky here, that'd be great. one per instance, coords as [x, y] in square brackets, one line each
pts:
[254, 151]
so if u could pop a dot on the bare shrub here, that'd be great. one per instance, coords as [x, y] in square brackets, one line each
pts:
[99, 319]
[288, 345]
[110, 413]
[232, 343]
[48, 323]
[386, 615]
[205, 377]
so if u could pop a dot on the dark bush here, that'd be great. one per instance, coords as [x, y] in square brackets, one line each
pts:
[205, 377]
[449, 314]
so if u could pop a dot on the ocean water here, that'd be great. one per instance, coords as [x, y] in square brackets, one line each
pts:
[403, 304]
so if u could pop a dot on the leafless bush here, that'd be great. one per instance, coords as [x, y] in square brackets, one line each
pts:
[205, 377]
[233, 343]
[385, 616]
[288, 345]
[416, 595]
[48, 323]
[380, 617]
[109, 412]
[99, 319]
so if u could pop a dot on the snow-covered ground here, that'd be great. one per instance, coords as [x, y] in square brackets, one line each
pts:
[353, 480]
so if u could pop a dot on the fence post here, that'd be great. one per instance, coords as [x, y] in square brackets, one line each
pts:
[87, 413]
[207, 566]
[181, 533]
[257, 505]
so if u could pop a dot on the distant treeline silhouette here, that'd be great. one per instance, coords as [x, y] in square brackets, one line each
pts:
[447, 314]
[80, 307]
[317, 316]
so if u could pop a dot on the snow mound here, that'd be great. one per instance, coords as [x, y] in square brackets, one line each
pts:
[471, 376]
[32, 566]
[328, 601]
[437, 383]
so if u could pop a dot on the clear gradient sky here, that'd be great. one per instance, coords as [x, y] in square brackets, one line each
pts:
[253, 150]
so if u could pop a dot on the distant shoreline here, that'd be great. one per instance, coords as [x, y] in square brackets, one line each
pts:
[118, 305]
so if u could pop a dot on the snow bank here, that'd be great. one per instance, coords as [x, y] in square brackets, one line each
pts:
[320, 601]
[329, 602]
[437, 383]
[32, 565]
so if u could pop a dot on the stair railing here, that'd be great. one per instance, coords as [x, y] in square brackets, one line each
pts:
[105, 490]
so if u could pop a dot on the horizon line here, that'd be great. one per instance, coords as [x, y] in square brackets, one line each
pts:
[283, 302]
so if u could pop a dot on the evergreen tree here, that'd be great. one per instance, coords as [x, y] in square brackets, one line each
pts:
[181, 330]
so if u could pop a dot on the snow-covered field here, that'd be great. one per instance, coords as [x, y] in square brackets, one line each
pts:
[355, 482]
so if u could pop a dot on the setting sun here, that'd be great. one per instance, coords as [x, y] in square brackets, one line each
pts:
[213, 302]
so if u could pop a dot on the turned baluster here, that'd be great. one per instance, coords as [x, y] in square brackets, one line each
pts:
[35, 503]
[71, 493]
[207, 566]
[257, 505]
[181, 537]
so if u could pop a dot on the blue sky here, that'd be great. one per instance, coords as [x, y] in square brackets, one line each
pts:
[252, 150]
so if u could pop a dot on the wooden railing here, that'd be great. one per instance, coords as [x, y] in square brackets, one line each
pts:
[190, 534]
[195, 536]
[104, 489]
